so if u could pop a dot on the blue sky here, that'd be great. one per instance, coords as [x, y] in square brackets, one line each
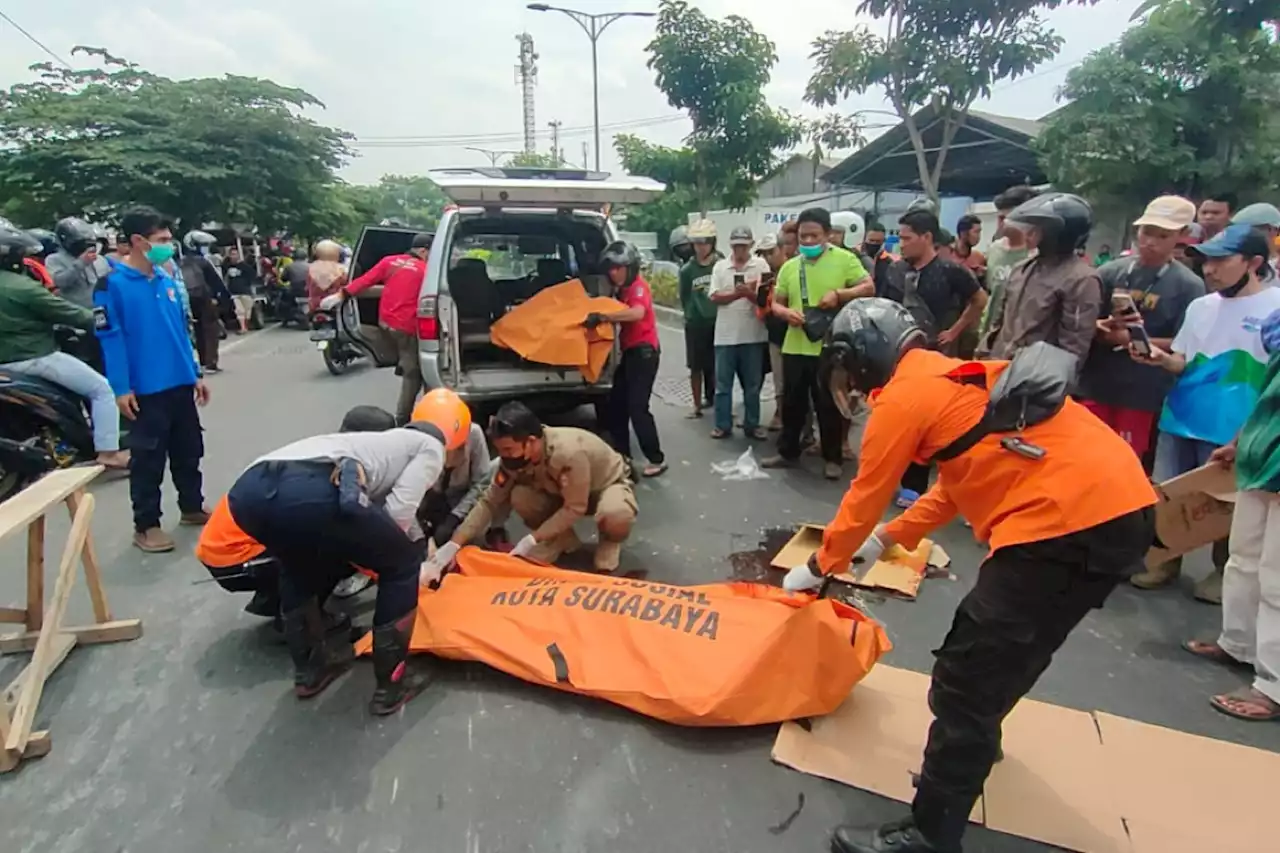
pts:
[427, 69]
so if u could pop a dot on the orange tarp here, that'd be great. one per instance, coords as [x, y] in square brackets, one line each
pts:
[727, 654]
[548, 329]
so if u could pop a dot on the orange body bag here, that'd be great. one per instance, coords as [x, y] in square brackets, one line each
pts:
[727, 654]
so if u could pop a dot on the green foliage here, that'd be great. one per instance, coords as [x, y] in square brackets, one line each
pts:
[1170, 107]
[1231, 17]
[716, 71]
[535, 159]
[95, 140]
[665, 287]
[934, 53]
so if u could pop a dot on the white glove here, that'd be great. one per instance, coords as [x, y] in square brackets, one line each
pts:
[524, 546]
[333, 300]
[870, 551]
[801, 578]
[433, 568]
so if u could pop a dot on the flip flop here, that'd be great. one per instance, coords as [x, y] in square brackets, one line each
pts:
[1213, 652]
[694, 415]
[1246, 696]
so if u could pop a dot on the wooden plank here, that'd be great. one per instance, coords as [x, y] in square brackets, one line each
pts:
[35, 573]
[86, 635]
[35, 500]
[13, 614]
[92, 572]
[38, 746]
[29, 697]
[62, 647]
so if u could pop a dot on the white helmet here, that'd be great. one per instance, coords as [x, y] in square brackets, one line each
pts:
[854, 227]
[703, 229]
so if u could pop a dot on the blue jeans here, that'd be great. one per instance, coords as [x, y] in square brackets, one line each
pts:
[746, 361]
[79, 378]
[1177, 455]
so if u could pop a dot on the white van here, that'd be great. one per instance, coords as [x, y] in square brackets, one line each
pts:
[513, 233]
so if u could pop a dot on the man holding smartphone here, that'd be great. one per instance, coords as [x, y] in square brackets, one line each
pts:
[740, 334]
[1144, 300]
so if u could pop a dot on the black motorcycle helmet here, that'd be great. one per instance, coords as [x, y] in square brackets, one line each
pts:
[867, 339]
[680, 245]
[1064, 221]
[48, 242]
[620, 254]
[74, 235]
[15, 246]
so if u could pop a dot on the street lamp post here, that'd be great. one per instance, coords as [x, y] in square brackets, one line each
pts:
[593, 26]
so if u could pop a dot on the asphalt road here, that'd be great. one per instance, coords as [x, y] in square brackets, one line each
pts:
[189, 739]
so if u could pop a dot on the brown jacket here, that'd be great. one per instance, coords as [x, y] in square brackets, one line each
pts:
[1056, 302]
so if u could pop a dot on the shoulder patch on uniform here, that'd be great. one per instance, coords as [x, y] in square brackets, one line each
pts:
[501, 478]
[100, 318]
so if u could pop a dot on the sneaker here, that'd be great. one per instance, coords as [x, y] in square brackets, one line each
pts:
[199, 518]
[353, 585]
[832, 470]
[153, 540]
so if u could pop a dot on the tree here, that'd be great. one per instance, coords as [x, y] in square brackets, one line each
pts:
[413, 200]
[716, 71]
[535, 159]
[935, 53]
[92, 141]
[1170, 107]
[1234, 17]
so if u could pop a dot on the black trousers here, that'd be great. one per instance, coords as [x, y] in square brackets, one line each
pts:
[629, 404]
[167, 428]
[802, 388]
[916, 478]
[291, 508]
[1026, 601]
[204, 313]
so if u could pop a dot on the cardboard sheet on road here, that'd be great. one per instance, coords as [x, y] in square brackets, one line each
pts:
[1080, 780]
[899, 572]
[1195, 509]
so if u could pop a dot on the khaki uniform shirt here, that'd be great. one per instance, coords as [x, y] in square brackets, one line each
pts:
[576, 466]
[1056, 303]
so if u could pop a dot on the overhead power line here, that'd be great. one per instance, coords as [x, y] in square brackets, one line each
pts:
[34, 40]
[464, 139]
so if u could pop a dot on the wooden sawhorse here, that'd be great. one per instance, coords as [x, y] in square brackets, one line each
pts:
[45, 634]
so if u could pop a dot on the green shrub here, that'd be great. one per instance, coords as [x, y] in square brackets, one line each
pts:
[665, 287]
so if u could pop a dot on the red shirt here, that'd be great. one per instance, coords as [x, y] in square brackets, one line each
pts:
[645, 330]
[401, 277]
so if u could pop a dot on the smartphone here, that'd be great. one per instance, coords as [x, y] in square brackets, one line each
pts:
[1122, 304]
[1139, 340]
[739, 279]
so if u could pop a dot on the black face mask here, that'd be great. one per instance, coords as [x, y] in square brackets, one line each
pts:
[514, 463]
[1230, 292]
[873, 249]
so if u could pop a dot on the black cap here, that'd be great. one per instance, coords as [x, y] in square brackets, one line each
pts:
[422, 240]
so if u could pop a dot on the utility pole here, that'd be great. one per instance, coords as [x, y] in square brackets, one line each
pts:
[584, 153]
[527, 73]
[557, 156]
[594, 26]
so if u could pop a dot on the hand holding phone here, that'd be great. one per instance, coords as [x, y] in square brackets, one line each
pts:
[1139, 341]
[1122, 305]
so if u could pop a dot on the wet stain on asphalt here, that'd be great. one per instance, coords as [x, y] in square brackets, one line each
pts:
[753, 566]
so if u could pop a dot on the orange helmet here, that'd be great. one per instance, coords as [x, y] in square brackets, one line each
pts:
[445, 410]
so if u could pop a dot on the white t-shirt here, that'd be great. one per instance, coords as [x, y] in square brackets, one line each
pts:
[1215, 325]
[736, 321]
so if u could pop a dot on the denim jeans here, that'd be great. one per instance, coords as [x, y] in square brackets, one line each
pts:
[746, 361]
[79, 378]
[1177, 455]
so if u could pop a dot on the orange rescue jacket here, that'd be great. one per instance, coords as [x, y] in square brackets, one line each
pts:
[1089, 475]
[222, 543]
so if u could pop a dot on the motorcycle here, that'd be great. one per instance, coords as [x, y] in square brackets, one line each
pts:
[338, 350]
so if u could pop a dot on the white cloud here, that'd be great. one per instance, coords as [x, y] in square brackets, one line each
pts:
[397, 68]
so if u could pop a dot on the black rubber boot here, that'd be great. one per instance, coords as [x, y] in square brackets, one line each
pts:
[396, 684]
[264, 603]
[314, 667]
[900, 837]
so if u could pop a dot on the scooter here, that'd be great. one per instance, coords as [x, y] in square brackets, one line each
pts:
[337, 334]
[43, 426]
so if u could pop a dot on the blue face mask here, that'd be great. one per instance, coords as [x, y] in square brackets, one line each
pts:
[811, 252]
[160, 253]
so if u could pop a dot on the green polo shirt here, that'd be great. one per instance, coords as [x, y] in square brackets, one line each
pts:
[834, 269]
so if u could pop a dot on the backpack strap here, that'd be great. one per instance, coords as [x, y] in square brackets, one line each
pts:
[973, 434]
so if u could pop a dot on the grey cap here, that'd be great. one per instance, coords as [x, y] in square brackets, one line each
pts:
[767, 243]
[1259, 215]
[741, 236]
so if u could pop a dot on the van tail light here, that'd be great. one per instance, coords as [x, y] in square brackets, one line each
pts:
[428, 323]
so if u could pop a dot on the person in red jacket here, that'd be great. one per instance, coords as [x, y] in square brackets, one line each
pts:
[401, 277]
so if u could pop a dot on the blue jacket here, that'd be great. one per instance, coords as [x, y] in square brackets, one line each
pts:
[143, 330]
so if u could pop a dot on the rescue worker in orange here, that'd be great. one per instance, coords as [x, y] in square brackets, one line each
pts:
[239, 563]
[1064, 504]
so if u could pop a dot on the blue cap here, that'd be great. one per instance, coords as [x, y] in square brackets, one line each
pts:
[1258, 215]
[1237, 239]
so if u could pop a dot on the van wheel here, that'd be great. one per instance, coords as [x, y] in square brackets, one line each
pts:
[256, 318]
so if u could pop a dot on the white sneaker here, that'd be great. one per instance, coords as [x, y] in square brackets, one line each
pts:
[353, 585]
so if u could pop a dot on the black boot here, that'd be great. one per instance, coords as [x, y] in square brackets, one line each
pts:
[899, 837]
[396, 684]
[264, 603]
[314, 667]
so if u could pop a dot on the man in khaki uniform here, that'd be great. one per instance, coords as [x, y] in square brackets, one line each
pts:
[551, 477]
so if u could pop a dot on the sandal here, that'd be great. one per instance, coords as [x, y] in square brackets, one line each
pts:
[694, 415]
[718, 433]
[651, 471]
[756, 433]
[1213, 652]
[1246, 704]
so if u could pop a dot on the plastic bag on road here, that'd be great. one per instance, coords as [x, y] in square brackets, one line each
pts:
[745, 467]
